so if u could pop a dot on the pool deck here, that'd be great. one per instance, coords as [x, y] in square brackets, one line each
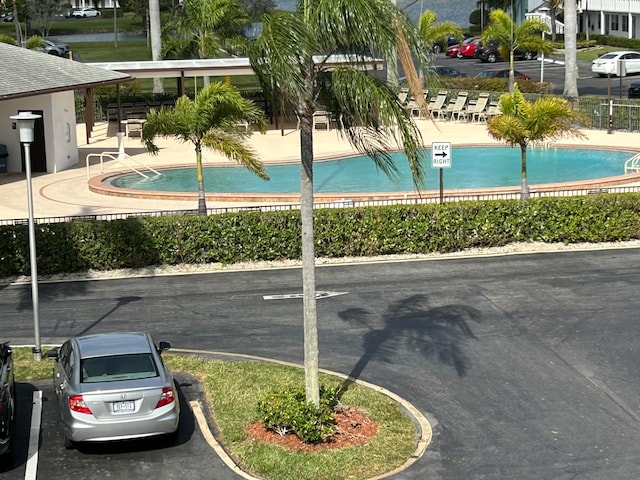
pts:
[67, 193]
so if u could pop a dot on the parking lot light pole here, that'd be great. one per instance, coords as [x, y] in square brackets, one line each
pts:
[608, 67]
[26, 121]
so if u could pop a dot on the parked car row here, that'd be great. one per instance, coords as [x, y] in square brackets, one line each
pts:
[110, 386]
[472, 47]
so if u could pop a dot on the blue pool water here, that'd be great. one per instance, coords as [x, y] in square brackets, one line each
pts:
[472, 167]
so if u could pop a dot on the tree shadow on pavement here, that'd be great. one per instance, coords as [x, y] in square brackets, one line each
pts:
[438, 332]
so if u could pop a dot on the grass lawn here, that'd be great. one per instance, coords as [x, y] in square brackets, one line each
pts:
[233, 389]
[590, 54]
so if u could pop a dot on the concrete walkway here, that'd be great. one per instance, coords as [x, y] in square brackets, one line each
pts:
[66, 193]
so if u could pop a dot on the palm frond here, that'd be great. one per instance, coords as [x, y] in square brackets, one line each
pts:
[377, 122]
[229, 146]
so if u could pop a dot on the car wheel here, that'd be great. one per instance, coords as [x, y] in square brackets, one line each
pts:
[459, 54]
[528, 55]
[491, 58]
[68, 443]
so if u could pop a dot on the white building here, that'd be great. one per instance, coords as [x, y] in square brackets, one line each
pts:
[618, 18]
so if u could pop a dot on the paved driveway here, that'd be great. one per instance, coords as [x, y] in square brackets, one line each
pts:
[526, 365]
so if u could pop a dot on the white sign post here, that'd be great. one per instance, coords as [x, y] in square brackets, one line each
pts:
[441, 158]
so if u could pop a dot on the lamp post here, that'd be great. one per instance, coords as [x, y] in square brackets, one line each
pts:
[26, 121]
[543, 11]
[609, 67]
[115, 25]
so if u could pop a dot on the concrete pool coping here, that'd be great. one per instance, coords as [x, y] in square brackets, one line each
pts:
[99, 184]
[67, 193]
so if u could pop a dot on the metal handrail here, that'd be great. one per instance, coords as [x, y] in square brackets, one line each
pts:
[633, 164]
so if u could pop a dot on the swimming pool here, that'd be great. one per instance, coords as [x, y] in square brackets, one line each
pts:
[472, 168]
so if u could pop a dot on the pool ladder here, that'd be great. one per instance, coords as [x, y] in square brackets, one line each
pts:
[633, 164]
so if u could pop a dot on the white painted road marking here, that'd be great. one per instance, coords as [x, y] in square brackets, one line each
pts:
[34, 437]
[299, 295]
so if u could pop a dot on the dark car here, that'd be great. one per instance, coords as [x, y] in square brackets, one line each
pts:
[7, 398]
[634, 89]
[70, 12]
[444, 71]
[8, 17]
[502, 73]
[491, 54]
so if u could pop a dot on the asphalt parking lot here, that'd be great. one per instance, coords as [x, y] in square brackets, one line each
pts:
[553, 72]
[525, 365]
[188, 458]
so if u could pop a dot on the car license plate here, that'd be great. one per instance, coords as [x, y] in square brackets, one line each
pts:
[126, 406]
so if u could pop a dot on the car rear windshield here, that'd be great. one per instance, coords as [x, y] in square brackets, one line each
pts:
[118, 367]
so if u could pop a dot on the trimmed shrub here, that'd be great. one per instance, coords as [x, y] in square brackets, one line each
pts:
[350, 232]
[287, 410]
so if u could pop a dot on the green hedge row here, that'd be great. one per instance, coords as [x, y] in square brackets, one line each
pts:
[252, 236]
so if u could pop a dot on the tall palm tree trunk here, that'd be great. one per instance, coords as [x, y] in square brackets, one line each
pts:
[310, 321]
[202, 203]
[570, 51]
[156, 41]
[524, 188]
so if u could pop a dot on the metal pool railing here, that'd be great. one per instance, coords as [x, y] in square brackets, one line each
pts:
[343, 203]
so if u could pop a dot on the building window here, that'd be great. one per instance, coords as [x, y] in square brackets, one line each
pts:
[615, 22]
[625, 23]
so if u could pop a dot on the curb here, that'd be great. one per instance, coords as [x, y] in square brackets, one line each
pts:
[425, 432]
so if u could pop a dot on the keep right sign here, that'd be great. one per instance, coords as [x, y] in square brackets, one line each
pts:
[441, 154]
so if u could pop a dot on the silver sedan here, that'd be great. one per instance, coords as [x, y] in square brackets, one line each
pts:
[114, 386]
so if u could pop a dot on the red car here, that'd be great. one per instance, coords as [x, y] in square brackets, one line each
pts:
[454, 50]
[502, 73]
[468, 49]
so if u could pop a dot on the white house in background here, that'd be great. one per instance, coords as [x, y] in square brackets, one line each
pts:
[618, 18]
[91, 3]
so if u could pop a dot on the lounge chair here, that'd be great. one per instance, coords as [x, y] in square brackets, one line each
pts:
[457, 109]
[492, 110]
[415, 107]
[476, 110]
[437, 106]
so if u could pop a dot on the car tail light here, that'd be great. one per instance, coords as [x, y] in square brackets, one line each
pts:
[166, 398]
[76, 404]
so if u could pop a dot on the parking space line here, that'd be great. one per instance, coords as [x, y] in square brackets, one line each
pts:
[34, 437]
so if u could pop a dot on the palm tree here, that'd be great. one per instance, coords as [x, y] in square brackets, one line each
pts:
[433, 32]
[523, 122]
[210, 121]
[292, 59]
[511, 37]
[206, 29]
[570, 51]
[156, 41]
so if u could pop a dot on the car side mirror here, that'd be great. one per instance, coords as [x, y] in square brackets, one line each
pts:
[162, 346]
[53, 354]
